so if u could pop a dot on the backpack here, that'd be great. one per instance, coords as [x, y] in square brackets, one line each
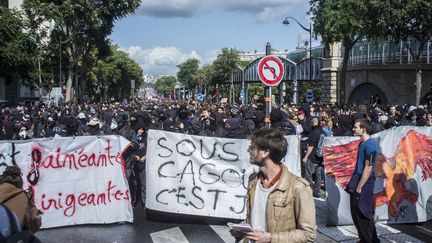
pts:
[319, 151]
[16, 234]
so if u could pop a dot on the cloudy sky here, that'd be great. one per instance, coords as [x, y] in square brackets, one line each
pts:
[164, 33]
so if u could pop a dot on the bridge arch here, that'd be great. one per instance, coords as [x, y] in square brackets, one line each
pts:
[363, 92]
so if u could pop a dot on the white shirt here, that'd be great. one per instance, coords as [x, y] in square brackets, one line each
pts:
[299, 129]
[258, 215]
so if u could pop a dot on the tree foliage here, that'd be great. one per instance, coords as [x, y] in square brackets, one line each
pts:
[345, 21]
[79, 27]
[204, 76]
[409, 21]
[225, 64]
[348, 21]
[165, 85]
[111, 76]
[17, 47]
[187, 71]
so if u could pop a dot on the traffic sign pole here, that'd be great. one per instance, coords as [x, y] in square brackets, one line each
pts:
[268, 94]
[271, 72]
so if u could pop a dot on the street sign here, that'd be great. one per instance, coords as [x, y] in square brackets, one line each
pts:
[241, 95]
[200, 97]
[270, 70]
[309, 95]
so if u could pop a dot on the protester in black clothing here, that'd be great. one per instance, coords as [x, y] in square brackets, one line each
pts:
[95, 126]
[377, 121]
[259, 115]
[393, 117]
[234, 128]
[421, 117]
[314, 163]
[207, 123]
[343, 125]
[136, 165]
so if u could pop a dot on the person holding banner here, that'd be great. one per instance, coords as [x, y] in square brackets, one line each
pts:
[361, 185]
[137, 181]
[280, 206]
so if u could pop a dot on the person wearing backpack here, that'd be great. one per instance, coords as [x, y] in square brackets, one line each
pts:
[20, 202]
[313, 159]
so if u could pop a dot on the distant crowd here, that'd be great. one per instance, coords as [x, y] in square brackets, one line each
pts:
[197, 118]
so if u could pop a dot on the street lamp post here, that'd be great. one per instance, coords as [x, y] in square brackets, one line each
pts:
[286, 22]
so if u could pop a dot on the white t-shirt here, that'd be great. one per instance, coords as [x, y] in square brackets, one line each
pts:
[299, 129]
[258, 215]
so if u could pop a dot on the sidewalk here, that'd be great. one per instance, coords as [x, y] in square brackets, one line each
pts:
[348, 233]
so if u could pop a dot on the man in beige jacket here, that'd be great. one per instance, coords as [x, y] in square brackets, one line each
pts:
[18, 200]
[280, 206]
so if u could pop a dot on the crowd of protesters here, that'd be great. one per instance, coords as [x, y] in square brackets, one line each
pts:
[196, 118]
[133, 119]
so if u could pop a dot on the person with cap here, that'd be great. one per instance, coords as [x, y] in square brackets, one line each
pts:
[22, 131]
[82, 118]
[95, 126]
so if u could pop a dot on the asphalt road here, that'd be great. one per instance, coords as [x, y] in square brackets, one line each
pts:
[152, 226]
[148, 227]
[421, 231]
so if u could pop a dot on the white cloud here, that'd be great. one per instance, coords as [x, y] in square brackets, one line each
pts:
[264, 10]
[164, 60]
[210, 56]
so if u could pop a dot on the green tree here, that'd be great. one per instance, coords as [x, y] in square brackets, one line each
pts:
[17, 47]
[345, 21]
[81, 26]
[409, 21]
[44, 62]
[165, 84]
[225, 64]
[186, 72]
[204, 76]
[111, 76]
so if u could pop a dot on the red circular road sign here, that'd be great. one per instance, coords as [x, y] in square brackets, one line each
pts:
[270, 70]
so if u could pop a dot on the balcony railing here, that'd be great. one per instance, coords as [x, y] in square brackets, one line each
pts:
[379, 53]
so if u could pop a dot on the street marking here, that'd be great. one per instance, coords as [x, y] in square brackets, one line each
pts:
[418, 226]
[173, 235]
[385, 229]
[223, 233]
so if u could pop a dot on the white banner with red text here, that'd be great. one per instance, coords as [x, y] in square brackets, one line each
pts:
[75, 180]
[403, 186]
[205, 176]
